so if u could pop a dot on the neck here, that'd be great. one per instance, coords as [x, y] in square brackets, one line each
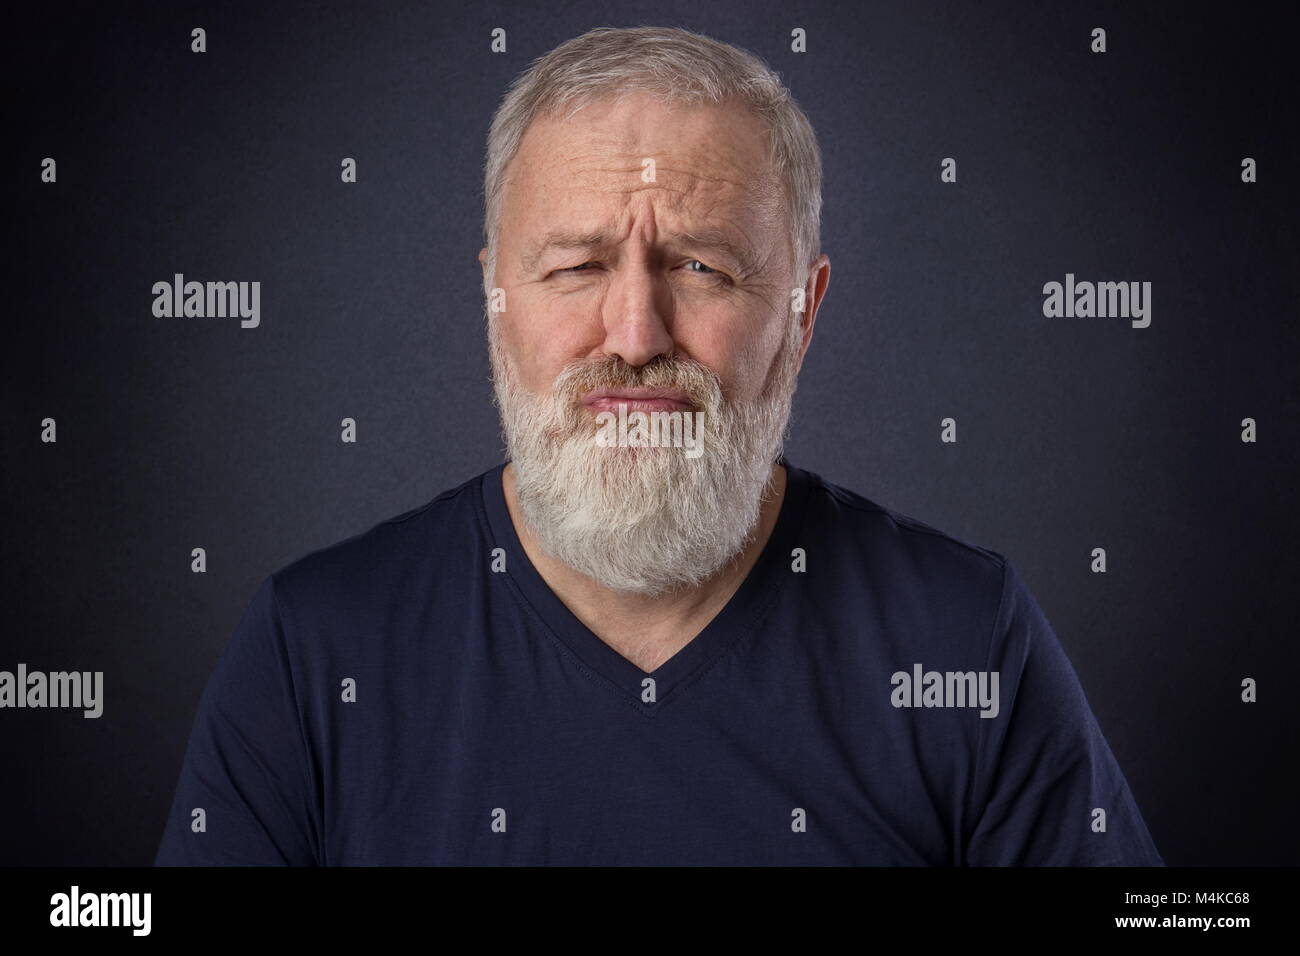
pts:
[646, 630]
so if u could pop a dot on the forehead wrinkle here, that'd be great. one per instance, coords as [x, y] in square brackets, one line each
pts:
[725, 233]
[688, 192]
[563, 150]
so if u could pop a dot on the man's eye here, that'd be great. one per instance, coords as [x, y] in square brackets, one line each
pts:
[691, 265]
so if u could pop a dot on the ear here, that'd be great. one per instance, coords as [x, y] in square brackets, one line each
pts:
[819, 277]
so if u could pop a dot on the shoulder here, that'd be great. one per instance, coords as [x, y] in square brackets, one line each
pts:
[905, 553]
[409, 550]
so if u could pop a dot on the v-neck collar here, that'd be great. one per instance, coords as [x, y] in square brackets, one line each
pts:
[738, 617]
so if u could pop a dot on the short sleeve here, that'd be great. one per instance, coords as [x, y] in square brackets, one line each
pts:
[244, 796]
[1048, 790]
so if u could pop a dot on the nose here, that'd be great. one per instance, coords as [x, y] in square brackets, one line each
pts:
[638, 316]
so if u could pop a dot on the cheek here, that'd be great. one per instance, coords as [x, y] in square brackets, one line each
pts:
[541, 339]
[736, 355]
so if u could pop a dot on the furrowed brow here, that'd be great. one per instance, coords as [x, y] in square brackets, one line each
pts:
[740, 255]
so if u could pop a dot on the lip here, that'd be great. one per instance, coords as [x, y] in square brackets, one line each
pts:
[637, 400]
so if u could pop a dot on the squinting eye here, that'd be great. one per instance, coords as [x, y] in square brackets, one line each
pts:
[702, 270]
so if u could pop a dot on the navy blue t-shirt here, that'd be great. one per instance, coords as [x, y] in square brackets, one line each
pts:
[414, 696]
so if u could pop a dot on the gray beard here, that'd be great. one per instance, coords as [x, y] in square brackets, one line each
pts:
[642, 520]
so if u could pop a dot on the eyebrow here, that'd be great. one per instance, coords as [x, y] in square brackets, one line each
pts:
[710, 239]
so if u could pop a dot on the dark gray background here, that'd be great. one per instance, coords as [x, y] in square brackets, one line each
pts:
[1073, 433]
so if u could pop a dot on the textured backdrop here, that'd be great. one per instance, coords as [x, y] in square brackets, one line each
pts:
[1073, 433]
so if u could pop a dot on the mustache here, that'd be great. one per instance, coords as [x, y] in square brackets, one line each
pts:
[697, 380]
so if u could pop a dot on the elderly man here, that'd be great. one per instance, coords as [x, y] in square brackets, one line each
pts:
[619, 650]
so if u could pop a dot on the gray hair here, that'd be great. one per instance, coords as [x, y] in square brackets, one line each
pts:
[682, 66]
